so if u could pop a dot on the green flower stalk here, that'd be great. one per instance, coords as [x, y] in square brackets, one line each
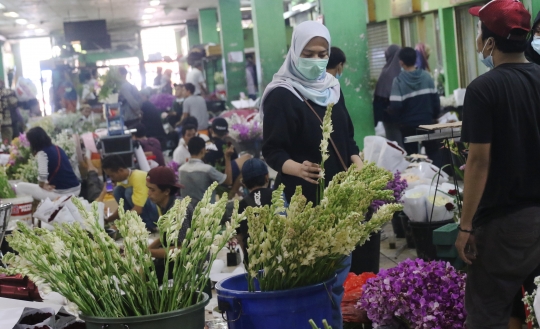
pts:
[85, 265]
[305, 244]
[325, 324]
[327, 130]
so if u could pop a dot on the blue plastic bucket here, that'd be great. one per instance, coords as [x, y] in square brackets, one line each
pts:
[275, 309]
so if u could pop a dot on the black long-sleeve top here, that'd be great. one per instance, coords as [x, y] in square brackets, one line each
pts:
[293, 132]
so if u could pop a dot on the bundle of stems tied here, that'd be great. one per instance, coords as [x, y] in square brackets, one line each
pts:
[91, 272]
[305, 244]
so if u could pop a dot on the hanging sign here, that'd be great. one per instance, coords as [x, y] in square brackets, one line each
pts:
[405, 7]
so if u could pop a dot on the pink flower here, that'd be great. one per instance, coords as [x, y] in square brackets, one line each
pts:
[462, 168]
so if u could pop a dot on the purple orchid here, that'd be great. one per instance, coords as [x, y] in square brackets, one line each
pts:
[397, 185]
[423, 294]
[162, 101]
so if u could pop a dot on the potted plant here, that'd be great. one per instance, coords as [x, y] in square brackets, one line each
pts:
[117, 288]
[416, 294]
[296, 251]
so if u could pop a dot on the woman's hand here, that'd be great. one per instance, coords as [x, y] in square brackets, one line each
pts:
[309, 172]
[46, 186]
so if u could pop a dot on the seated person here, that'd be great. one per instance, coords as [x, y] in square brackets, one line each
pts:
[219, 135]
[196, 176]
[150, 145]
[130, 186]
[255, 178]
[56, 176]
[181, 153]
[162, 192]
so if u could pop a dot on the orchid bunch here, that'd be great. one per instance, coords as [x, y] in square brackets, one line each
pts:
[90, 271]
[421, 294]
[398, 186]
[245, 130]
[528, 300]
[305, 244]
[19, 155]
[163, 102]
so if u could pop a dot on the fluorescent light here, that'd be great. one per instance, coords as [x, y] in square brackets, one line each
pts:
[245, 9]
[11, 14]
[154, 3]
[21, 21]
[39, 30]
[150, 10]
[146, 22]
[2, 6]
[31, 26]
[145, 17]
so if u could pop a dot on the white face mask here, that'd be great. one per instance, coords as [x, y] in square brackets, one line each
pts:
[536, 44]
[488, 61]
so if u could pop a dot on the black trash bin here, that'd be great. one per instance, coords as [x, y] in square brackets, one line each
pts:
[366, 257]
[423, 238]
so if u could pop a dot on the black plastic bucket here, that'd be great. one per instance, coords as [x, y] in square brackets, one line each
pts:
[407, 229]
[365, 258]
[423, 238]
[397, 226]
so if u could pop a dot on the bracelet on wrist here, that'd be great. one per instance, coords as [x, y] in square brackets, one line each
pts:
[466, 231]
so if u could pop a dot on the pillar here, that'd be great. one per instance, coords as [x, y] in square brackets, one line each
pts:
[208, 26]
[449, 50]
[535, 8]
[270, 39]
[394, 31]
[232, 48]
[348, 29]
[2, 71]
[193, 33]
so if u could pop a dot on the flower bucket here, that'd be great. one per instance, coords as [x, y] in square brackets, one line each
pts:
[187, 318]
[423, 238]
[251, 147]
[274, 309]
[21, 210]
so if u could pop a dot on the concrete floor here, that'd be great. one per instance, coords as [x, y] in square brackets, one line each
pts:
[391, 257]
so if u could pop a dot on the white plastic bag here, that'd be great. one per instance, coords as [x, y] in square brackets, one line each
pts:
[25, 89]
[385, 154]
[29, 311]
[414, 203]
[440, 213]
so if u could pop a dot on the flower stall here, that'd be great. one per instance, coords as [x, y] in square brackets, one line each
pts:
[115, 287]
[247, 132]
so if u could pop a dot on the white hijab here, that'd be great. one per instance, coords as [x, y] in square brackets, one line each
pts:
[323, 91]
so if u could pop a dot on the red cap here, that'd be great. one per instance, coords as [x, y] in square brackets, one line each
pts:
[162, 176]
[503, 17]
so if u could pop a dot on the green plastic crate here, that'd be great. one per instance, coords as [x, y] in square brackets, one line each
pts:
[446, 235]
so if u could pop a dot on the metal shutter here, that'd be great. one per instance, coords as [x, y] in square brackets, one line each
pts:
[377, 42]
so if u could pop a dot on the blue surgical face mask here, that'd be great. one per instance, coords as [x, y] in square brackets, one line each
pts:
[488, 61]
[536, 44]
[311, 68]
[338, 76]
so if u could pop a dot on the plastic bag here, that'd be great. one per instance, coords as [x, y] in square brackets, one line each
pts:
[28, 312]
[353, 287]
[385, 154]
[414, 203]
[25, 89]
[440, 211]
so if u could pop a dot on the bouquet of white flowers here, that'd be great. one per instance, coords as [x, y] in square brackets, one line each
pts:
[91, 272]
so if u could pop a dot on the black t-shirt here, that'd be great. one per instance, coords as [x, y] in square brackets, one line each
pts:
[257, 198]
[151, 119]
[293, 132]
[217, 158]
[502, 107]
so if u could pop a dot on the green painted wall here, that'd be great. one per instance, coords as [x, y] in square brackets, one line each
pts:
[349, 32]
[208, 26]
[394, 32]
[2, 72]
[249, 39]
[232, 42]
[449, 49]
[535, 9]
[383, 8]
[270, 39]
[193, 33]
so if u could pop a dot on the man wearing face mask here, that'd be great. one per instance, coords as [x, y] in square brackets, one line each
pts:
[500, 225]
[533, 50]
[336, 62]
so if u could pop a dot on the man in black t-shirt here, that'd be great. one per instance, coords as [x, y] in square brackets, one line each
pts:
[255, 179]
[500, 226]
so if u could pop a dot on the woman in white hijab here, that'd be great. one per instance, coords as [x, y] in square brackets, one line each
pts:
[292, 131]
[292, 105]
